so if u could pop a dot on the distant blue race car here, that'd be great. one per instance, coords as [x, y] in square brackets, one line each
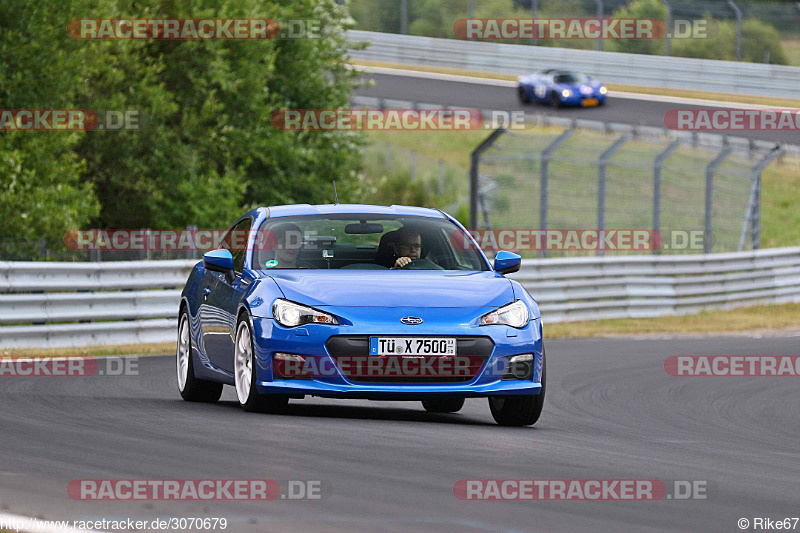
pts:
[360, 301]
[561, 88]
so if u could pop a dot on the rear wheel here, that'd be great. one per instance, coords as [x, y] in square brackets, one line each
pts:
[519, 410]
[245, 375]
[445, 405]
[523, 95]
[191, 388]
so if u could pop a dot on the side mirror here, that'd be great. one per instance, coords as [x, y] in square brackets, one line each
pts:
[219, 261]
[507, 262]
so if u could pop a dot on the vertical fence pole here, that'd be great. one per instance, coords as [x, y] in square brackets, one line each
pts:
[659, 162]
[534, 11]
[712, 166]
[388, 156]
[470, 8]
[544, 180]
[738, 13]
[599, 15]
[441, 177]
[753, 215]
[474, 170]
[413, 165]
[404, 17]
[668, 23]
[192, 253]
[601, 189]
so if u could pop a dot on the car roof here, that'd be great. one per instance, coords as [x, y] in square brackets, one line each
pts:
[345, 209]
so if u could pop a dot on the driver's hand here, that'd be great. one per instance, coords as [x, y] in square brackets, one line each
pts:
[401, 262]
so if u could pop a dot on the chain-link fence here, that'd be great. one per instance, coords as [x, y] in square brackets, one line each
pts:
[685, 198]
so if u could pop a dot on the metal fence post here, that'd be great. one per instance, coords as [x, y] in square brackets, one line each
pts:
[543, 177]
[668, 24]
[192, 253]
[474, 169]
[712, 166]
[413, 165]
[470, 6]
[404, 17]
[601, 189]
[659, 162]
[534, 11]
[754, 204]
[738, 13]
[388, 156]
[441, 177]
[599, 15]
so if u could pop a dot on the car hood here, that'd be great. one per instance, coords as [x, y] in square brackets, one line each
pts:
[393, 288]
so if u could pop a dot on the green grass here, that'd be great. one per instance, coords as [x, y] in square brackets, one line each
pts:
[791, 47]
[758, 318]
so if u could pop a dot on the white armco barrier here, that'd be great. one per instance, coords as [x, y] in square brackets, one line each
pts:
[612, 67]
[81, 304]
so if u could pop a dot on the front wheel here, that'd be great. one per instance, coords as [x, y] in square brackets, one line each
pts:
[191, 388]
[519, 410]
[245, 375]
[445, 405]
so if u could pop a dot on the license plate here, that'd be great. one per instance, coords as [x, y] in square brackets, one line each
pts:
[412, 346]
[589, 102]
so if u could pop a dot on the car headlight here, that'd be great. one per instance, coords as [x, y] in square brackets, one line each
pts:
[603, 89]
[514, 314]
[290, 314]
[566, 93]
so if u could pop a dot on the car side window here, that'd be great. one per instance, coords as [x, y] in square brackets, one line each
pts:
[236, 241]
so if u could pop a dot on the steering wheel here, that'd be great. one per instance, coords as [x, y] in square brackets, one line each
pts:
[422, 264]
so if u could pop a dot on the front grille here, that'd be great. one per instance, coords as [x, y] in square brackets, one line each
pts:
[351, 354]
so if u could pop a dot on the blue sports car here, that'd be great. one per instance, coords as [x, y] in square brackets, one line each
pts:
[561, 88]
[359, 301]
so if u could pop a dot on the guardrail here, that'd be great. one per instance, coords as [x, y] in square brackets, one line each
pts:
[51, 305]
[81, 304]
[612, 67]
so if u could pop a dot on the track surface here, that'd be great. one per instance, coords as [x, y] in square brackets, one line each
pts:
[611, 412]
[480, 96]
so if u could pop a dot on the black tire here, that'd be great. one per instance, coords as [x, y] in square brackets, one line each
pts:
[555, 99]
[519, 410]
[522, 94]
[194, 390]
[444, 405]
[255, 402]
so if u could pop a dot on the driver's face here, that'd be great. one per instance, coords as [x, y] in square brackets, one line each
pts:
[410, 247]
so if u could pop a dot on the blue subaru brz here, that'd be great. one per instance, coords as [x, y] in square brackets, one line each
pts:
[360, 301]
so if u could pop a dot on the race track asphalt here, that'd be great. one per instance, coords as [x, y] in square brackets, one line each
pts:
[612, 412]
[639, 111]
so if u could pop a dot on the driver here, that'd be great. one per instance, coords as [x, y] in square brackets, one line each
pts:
[407, 247]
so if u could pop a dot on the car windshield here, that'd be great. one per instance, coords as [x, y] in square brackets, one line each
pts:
[569, 77]
[366, 242]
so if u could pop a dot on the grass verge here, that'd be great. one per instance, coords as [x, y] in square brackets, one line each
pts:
[93, 351]
[703, 95]
[758, 318]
